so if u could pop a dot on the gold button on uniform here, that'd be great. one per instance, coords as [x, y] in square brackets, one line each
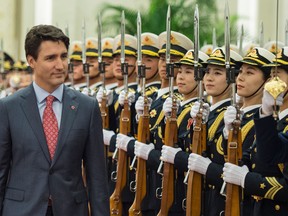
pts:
[277, 207]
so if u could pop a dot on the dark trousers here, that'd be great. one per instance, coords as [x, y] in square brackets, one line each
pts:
[49, 211]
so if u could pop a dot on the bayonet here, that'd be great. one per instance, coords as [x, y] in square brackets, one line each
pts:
[101, 63]
[229, 73]
[70, 65]
[169, 66]
[214, 39]
[124, 65]
[84, 60]
[241, 40]
[261, 35]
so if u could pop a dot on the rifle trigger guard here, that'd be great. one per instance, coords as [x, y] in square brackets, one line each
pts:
[133, 186]
[114, 176]
[159, 193]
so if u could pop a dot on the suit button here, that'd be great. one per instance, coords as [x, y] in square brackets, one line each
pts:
[277, 207]
[50, 172]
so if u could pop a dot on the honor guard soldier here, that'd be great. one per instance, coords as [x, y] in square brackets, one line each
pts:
[107, 52]
[150, 58]
[92, 60]
[188, 87]
[151, 152]
[76, 60]
[267, 182]
[216, 86]
[116, 100]
[5, 79]
[250, 83]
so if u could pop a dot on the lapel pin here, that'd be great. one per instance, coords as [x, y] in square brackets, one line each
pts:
[73, 107]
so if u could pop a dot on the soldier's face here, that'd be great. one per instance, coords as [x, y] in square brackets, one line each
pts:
[249, 80]
[185, 79]
[131, 60]
[215, 80]
[51, 66]
[78, 70]
[152, 65]
[93, 69]
[108, 67]
[162, 65]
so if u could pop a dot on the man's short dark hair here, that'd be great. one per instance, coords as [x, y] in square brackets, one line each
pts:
[41, 33]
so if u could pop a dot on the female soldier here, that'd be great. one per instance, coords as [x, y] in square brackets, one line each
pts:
[267, 182]
[250, 82]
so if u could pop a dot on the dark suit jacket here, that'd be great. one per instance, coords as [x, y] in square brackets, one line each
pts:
[27, 175]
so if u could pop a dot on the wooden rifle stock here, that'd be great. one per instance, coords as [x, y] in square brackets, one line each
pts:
[234, 152]
[194, 186]
[168, 168]
[141, 184]
[122, 166]
[104, 112]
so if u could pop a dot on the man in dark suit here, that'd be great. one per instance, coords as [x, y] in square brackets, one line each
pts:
[43, 141]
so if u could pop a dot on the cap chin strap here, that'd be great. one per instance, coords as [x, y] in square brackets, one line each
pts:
[222, 91]
[153, 76]
[192, 89]
[256, 90]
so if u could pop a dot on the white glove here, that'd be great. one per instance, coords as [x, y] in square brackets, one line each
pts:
[100, 94]
[168, 153]
[3, 94]
[107, 135]
[205, 111]
[85, 91]
[142, 150]
[167, 106]
[198, 163]
[235, 174]
[268, 103]
[130, 97]
[229, 117]
[139, 105]
[122, 141]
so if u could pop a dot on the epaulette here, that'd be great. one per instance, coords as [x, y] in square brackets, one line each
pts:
[131, 90]
[178, 96]
[150, 90]
[221, 109]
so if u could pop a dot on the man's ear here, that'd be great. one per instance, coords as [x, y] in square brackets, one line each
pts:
[30, 61]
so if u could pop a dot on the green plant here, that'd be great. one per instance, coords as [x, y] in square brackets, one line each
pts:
[182, 19]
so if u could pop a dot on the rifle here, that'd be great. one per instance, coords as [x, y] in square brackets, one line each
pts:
[103, 105]
[167, 196]
[84, 60]
[198, 145]
[125, 121]
[234, 147]
[143, 133]
[70, 65]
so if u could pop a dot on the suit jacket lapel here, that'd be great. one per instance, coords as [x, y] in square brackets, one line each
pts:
[30, 108]
[69, 110]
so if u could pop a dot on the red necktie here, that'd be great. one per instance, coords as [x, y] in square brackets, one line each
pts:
[50, 126]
